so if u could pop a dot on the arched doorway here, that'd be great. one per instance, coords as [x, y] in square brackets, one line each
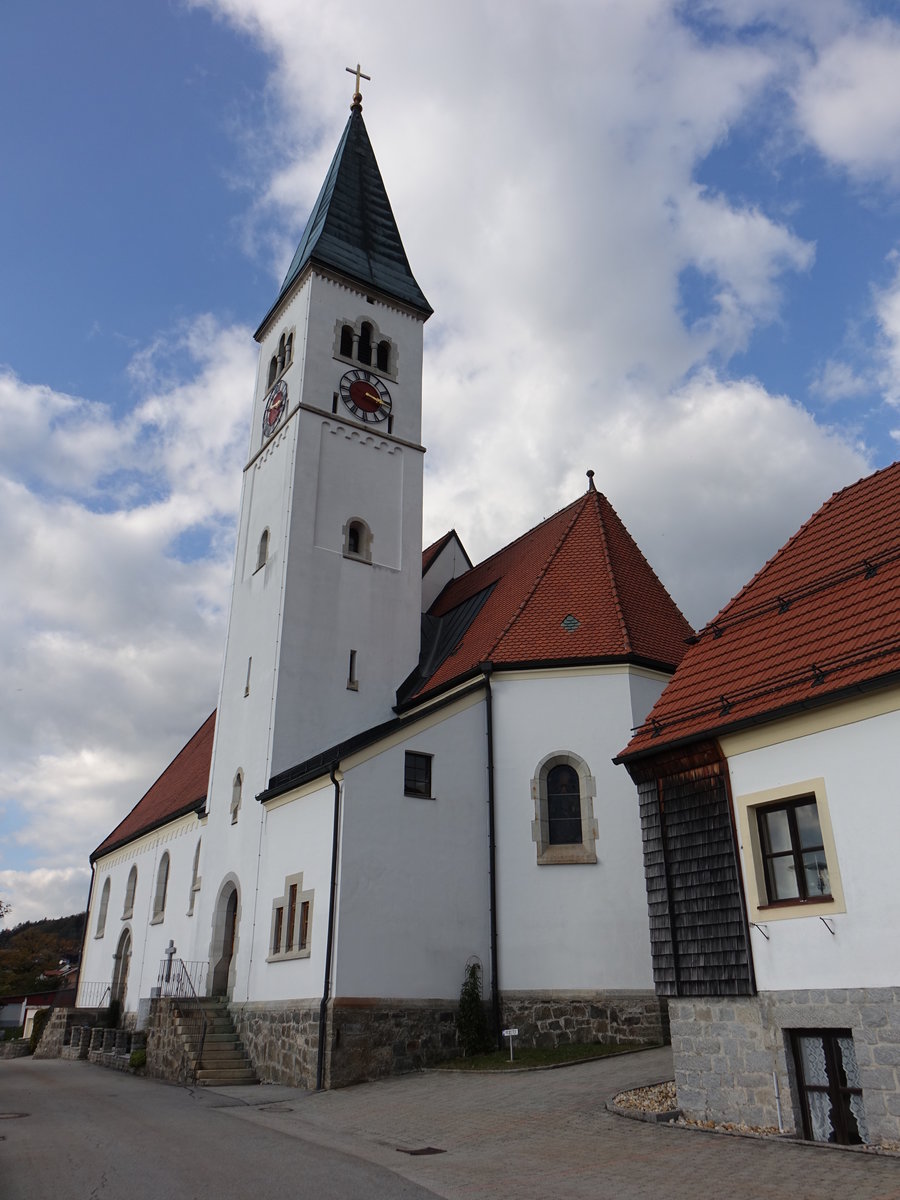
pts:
[121, 961]
[224, 937]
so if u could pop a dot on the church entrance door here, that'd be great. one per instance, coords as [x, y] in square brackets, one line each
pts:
[223, 939]
[121, 961]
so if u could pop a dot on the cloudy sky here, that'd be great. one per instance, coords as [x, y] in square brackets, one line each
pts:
[662, 241]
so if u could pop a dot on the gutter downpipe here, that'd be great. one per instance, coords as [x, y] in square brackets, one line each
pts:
[329, 942]
[487, 669]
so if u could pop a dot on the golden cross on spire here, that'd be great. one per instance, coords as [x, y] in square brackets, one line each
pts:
[357, 95]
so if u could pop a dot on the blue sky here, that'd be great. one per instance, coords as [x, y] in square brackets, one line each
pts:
[661, 241]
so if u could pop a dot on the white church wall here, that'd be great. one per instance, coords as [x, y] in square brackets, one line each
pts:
[845, 767]
[569, 926]
[414, 872]
[149, 937]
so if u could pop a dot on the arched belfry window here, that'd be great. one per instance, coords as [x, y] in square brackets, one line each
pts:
[347, 341]
[130, 889]
[262, 552]
[273, 370]
[564, 828]
[357, 540]
[102, 910]
[162, 886]
[383, 356]
[289, 350]
[282, 348]
[364, 352]
[237, 789]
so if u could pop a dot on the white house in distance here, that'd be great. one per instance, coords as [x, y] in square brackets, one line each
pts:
[766, 772]
[410, 762]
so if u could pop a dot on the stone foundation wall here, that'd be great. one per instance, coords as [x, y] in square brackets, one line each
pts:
[20, 1048]
[282, 1042]
[165, 1049]
[559, 1018]
[725, 1053]
[369, 1039]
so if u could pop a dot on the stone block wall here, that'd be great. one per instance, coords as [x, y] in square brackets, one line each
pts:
[165, 1048]
[726, 1050]
[19, 1048]
[282, 1042]
[369, 1039]
[550, 1019]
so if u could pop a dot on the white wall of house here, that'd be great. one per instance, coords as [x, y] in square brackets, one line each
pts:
[149, 938]
[854, 757]
[582, 925]
[414, 898]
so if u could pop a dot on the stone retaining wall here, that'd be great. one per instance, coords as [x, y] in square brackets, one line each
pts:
[282, 1042]
[165, 1048]
[725, 1053]
[558, 1018]
[372, 1038]
[19, 1048]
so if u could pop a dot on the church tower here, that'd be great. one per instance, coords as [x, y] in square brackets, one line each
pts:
[326, 600]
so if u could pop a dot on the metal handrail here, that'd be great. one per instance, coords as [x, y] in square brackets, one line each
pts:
[175, 981]
[93, 994]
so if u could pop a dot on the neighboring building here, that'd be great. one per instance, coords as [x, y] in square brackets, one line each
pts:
[410, 763]
[765, 774]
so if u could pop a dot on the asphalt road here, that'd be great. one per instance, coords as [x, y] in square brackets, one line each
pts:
[73, 1131]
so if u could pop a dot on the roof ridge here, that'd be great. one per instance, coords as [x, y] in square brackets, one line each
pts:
[611, 573]
[577, 504]
[528, 532]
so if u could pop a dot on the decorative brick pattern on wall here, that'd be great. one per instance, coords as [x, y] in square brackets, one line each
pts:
[725, 1052]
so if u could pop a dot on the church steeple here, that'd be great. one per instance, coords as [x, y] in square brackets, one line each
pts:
[351, 229]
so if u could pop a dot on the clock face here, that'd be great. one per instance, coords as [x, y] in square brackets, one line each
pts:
[366, 396]
[276, 407]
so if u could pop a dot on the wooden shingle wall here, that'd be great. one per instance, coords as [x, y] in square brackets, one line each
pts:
[698, 930]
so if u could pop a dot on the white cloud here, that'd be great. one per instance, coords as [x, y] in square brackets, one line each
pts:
[44, 892]
[848, 105]
[838, 380]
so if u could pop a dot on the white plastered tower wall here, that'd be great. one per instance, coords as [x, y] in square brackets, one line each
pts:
[295, 619]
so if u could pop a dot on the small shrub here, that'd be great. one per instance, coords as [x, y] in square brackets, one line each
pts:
[41, 1017]
[138, 1060]
[471, 1023]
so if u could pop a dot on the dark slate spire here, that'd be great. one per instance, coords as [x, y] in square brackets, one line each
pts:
[352, 229]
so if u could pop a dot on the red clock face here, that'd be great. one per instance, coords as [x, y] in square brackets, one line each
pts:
[276, 406]
[366, 396]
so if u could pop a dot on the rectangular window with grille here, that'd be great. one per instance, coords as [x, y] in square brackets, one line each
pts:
[417, 775]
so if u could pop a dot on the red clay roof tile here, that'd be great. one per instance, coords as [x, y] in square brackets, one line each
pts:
[822, 616]
[181, 787]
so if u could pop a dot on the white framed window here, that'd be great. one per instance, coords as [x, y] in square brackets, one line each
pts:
[162, 886]
[102, 910]
[292, 915]
[130, 889]
[357, 540]
[564, 828]
[790, 859]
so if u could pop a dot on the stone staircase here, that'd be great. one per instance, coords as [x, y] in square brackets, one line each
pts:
[223, 1061]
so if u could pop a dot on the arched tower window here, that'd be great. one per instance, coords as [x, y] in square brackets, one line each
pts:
[564, 828]
[273, 370]
[346, 341]
[262, 553]
[162, 885]
[383, 356]
[237, 789]
[364, 352]
[101, 912]
[289, 350]
[130, 889]
[357, 540]
[282, 352]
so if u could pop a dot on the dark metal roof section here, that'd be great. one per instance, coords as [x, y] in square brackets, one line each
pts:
[440, 637]
[352, 229]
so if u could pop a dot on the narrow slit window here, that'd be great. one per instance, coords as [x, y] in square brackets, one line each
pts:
[352, 681]
[249, 668]
[291, 914]
[383, 356]
[262, 552]
[304, 926]
[237, 789]
[364, 350]
[346, 341]
[276, 930]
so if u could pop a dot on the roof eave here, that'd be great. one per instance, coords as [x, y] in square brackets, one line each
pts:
[102, 850]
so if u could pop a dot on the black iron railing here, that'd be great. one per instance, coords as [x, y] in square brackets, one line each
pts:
[183, 982]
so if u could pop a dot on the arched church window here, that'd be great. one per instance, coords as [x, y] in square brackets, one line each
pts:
[101, 912]
[282, 349]
[383, 356]
[195, 880]
[357, 540]
[564, 828]
[130, 889]
[237, 789]
[162, 885]
[289, 350]
[273, 370]
[364, 352]
[346, 341]
[262, 553]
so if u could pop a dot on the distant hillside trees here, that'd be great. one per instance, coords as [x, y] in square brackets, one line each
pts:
[33, 948]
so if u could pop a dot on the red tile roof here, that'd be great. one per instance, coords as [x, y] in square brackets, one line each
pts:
[576, 587]
[820, 618]
[180, 788]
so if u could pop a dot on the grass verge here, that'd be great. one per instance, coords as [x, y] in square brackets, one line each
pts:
[534, 1056]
